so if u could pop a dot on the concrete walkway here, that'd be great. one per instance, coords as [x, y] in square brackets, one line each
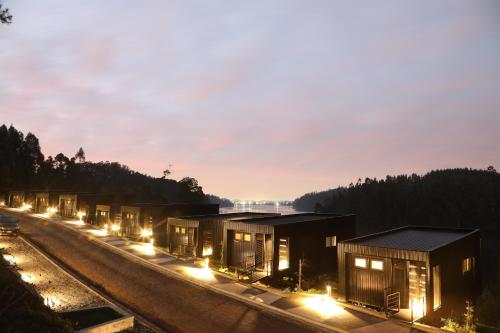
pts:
[314, 309]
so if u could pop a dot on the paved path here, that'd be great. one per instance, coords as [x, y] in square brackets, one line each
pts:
[209, 305]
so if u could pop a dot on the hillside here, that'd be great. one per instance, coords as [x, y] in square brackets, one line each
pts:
[23, 165]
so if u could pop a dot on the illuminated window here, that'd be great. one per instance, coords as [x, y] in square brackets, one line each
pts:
[331, 241]
[238, 236]
[360, 262]
[377, 265]
[177, 230]
[284, 253]
[247, 237]
[183, 231]
[436, 286]
[467, 265]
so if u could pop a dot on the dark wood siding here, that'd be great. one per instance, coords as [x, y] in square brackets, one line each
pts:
[308, 241]
[371, 284]
[241, 251]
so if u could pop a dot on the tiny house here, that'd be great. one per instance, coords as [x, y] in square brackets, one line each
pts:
[411, 272]
[152, 218]
[44, 200]
[201, 235]
[16, 199]
[276, 244]
[77, 205]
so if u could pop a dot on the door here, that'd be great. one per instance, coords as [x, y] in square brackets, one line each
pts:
[400, 281]
[259, 251]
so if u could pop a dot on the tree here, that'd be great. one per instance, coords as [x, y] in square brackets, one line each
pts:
[80, 155]
[491, 168]
[5, 16]
[167, 172]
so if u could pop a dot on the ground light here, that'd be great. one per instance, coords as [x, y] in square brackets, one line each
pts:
[10, 258]
[25, 207]
[145, 248]
[115, 227]
[204, 273]
[80, 215]
[418, 308]
[51, 211]
[98, 232]
[323, 305]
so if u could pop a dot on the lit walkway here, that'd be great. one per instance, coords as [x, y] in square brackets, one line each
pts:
[313, 308]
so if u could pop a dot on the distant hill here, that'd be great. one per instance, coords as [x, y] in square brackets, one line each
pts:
[23, 166]
[222, 202]
[448, 198]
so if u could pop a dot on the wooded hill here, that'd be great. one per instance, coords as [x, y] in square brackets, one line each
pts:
[23, 166]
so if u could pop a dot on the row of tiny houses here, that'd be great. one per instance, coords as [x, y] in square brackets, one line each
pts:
[268, 243]
[411, 272]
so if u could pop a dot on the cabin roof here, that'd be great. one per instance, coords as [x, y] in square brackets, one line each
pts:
[413, 238]
[287, 219]
[228, 216]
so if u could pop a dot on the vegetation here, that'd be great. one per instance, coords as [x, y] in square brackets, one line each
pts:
[222, 202]
[468, 322]
[23, 311]
[22, 165]
[448, 198]
[5, 16]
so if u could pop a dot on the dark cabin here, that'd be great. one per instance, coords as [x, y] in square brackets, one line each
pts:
[43, 200]
[77, 205]
[108, 207]
[16, 199]
[201, 235]
[411, 272]
[153, 217]
[276, 244]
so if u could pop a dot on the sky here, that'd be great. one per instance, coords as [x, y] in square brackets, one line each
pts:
[258, 99]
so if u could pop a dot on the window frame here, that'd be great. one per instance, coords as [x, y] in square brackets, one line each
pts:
[365, 266]
[377, 260]
[331, 241]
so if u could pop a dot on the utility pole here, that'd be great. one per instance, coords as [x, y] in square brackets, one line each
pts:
[299, 288]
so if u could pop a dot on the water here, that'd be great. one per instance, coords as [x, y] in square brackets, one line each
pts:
[281, 209]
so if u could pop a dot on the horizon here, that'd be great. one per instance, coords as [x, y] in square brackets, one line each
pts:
[258, 101]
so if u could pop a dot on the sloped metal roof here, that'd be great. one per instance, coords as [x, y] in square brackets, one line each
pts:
[413, 238]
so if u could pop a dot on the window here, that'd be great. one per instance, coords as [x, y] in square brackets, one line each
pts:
[377, 265]
[238, 236]
[466, 265]
[247, 237]
[177, 230]
[183, 231]
[436, 286]
[331, 241]
[360, 262]
[284, 253]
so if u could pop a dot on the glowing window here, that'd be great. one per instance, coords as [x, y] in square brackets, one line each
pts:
[177, 230]
[436, 286]
[284, 253]
[237, 236]
[247, 237]
[183, 231]
[331, 241]
[377, 265]
[360, 262]
[467, 265]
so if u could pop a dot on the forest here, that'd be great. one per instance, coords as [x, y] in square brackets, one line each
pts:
[24, 166]
[462, 198]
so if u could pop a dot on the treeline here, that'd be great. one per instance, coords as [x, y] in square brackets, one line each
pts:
[222, 202]
[23, 166]
[463, 198]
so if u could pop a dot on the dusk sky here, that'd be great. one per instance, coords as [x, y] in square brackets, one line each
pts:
[258, 99]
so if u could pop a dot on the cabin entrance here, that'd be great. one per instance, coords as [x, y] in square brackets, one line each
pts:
[409, 281]
[41, 204]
